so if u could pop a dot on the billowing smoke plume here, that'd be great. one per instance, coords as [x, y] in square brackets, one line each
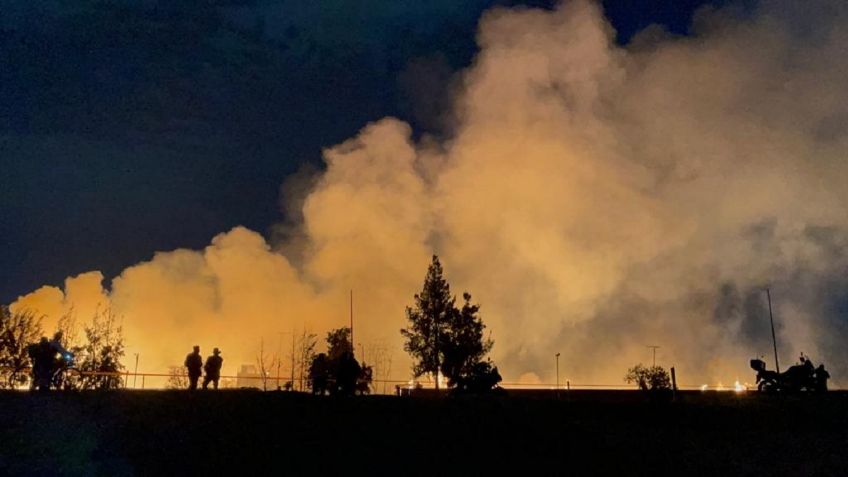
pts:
[593, 198]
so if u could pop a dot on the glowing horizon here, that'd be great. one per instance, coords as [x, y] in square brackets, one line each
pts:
[594, 198]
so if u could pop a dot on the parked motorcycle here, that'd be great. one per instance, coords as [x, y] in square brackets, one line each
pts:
[801, 377]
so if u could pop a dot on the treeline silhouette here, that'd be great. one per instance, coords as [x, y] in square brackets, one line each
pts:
[446, 341]
[65, 361]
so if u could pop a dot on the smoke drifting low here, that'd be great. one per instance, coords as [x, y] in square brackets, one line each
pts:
[593, 198]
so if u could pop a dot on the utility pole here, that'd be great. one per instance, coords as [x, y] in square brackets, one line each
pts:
[351, 324]
[557, 375]
[673, 384]
[773, 337]
[436, 341]
[135, 373]
[654, 348]
[279, 358]
[292, 356]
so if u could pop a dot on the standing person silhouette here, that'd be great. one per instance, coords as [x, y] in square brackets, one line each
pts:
[194, 363]
[213, 368]
[43, 356]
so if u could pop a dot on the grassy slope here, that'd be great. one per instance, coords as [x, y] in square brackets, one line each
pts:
[177, 433]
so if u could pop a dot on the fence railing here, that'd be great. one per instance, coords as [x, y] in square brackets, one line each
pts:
[154, 380]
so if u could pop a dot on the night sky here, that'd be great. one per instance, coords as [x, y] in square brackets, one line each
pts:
[131, 127]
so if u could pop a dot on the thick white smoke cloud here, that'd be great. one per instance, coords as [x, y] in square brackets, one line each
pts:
[593, 198]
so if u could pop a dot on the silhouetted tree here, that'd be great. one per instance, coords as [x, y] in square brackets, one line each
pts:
[177, 378]
[67, 334]
[653, 378]
[345, 372]
[319, 374]
[265, 363]
[428, 319]
[17, 331]
[102, 352]
[363, 382]
[67, 328]
[306, 344]
[464, 347]
[480, 378]
[381, 362]
[338, 343]
[338, 371]
[445, 339]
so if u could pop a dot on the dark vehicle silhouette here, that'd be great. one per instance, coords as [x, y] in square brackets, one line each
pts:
[801, 377]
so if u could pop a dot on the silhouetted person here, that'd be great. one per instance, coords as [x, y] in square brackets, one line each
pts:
[821, 378]
[64, 359]
[213, 368]
[807, 364]
[194, 365]
[43, 357]
[56, 344]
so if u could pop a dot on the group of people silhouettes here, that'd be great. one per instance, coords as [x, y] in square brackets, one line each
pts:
[47, 357]
[195, 366]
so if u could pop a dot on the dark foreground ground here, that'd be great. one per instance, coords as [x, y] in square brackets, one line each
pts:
[590, 433]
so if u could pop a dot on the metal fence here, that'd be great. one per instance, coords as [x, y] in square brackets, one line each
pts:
[149, 380]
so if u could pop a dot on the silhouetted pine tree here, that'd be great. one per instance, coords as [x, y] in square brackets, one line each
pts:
[443, 338]
[429, 320]
[464, 347]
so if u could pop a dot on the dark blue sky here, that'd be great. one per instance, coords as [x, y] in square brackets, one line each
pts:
[131, 127]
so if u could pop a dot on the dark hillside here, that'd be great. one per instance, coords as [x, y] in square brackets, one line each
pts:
[176, 433]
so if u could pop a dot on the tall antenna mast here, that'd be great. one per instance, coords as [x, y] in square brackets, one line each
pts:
[773, 337]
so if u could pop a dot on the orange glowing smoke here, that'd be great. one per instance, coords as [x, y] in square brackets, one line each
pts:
[593, 198]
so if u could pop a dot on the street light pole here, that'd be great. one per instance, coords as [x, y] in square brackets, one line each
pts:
[654, 348]
[557, 375]
[279, 357]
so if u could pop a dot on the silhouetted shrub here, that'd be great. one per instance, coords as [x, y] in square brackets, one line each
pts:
[482, 378]
[653, 379]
